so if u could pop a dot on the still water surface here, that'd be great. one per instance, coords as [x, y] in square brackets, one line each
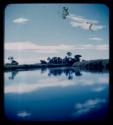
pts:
[56, 94]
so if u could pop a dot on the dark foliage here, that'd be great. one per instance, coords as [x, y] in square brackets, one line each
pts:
[43, 62]
[66, 60]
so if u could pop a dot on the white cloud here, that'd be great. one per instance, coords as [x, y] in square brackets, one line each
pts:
[97, 27]
[40, 48]
[81, 25]
[23, 114]
[20, 46]
[96, 38]
[102, 47]
[20, 20]
[92, 47]
[26, 45]
[85, 26]
[87, 106]
[85, 47]
[79, 21]
[103, 80]
[21, 49]
[23, 60]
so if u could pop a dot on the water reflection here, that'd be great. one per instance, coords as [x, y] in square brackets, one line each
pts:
[55, 94]
[88, 106]
[43, 70]
[101, 70]
[67, 71]
[13, 74]
[23, 114]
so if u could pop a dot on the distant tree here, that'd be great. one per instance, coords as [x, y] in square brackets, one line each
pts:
[43, 62]
[10, 58]
[55, 60]
[14, 62]
[59, 60]
[77, 58]
[69, 54]
[48, 59]
[69, 60]
[65, 60]
[83, 60]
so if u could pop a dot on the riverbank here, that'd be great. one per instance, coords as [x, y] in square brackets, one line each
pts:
[32, 66]
[99, 64]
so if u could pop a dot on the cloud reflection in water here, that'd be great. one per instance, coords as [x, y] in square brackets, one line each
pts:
[23, 114]
[99, 89]
[25, 87]
[88, 106]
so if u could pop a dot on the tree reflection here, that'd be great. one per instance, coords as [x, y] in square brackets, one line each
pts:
[43, 70]
[13, 74]
[67, 71]
[78, 73]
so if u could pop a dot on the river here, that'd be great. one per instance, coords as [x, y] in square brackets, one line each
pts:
[56, 94]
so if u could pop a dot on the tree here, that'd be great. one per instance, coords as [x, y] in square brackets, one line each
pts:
[77, 58]
[69, 59]
[43, 62]
[48, 59]
[12, 60]
[69, 54]
[65, 60]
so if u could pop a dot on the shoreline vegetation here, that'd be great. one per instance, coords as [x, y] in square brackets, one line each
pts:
[99, 64]
[54, 62]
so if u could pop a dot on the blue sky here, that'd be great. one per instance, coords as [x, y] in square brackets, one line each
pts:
[36, 31]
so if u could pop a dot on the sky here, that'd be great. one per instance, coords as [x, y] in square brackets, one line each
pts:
[34, 32]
